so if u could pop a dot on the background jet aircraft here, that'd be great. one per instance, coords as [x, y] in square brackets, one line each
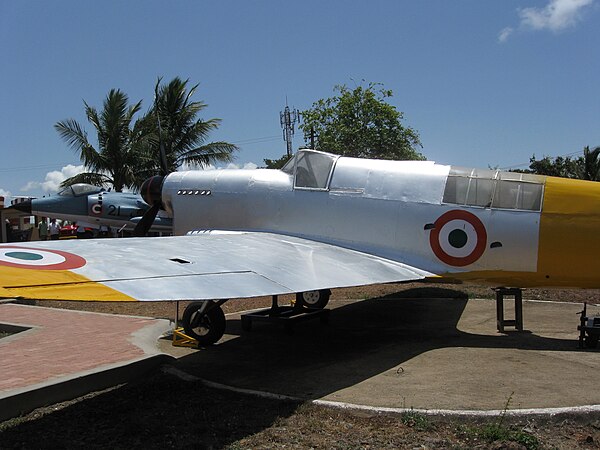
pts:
[93, 205]
[321, 222]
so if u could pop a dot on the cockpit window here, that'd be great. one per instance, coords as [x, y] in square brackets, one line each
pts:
[289, 166]
[495, 189]
[76, 190]
[313, 169]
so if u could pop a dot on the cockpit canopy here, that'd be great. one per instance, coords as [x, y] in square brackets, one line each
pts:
[494, 189]
[79, 189]
[311, 169]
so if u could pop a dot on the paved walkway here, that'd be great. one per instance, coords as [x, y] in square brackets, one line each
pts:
[64, 353]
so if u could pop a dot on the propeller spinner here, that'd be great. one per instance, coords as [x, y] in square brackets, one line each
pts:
[151, 192]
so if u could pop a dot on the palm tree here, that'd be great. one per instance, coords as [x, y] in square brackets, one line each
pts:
[591, 164]
[116, 159]
[183, 135]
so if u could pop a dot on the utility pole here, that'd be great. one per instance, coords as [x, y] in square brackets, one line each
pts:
[288, 119]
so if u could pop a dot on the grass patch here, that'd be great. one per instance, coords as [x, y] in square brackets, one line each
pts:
[416, 420]
[498, 431]
[494, 432]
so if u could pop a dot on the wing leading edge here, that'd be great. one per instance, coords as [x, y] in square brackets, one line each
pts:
[195, 267]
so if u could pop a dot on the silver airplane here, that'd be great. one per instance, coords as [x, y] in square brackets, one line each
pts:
[95, 206]
[323, 222]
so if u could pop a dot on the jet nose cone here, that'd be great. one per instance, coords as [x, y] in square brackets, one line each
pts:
[23, 206]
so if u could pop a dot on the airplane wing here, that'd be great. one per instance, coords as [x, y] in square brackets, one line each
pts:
[194, 267]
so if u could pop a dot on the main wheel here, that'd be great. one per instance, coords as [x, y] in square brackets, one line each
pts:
[204, 321]
[313, 299]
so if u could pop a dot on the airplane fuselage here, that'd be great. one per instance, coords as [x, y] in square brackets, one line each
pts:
[482, 225]
[95, 207]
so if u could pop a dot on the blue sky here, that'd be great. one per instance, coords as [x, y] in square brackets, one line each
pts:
[485, 83]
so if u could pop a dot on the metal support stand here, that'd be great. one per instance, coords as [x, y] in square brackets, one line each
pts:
[589, 329]
[518, 320]
[180, 339]
[288, 316]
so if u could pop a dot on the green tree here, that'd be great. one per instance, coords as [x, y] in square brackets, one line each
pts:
[114, 160]
[561, 166]
[359, 122]
[586, 167]
[183, 135]
[277, 163]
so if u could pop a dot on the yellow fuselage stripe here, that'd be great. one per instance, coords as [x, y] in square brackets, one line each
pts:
[55, 285]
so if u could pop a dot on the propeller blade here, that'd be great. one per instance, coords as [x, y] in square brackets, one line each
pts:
[142, 227]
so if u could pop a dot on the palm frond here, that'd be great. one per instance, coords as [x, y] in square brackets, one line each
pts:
[97, 179]
[72, 133]
[208, 154]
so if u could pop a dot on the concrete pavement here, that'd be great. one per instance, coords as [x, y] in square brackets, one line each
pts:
[430, 354]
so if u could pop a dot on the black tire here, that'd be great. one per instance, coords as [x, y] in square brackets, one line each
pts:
[313, 299]
[207, 326]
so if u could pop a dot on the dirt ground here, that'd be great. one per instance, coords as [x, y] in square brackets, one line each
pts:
[164, 411]
[167, 310]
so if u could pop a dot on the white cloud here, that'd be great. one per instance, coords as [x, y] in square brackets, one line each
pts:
[504, 34]
[51, 183]
[249, 165]
[7, 195]
[556, 16]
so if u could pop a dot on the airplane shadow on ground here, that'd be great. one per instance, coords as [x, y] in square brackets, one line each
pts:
[363, 339]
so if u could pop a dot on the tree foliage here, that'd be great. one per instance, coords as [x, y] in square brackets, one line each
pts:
[182, 134]
[586, 167]
[113, 162]
[359, 122]
[591, 164]
[127, 152]
[277, 163]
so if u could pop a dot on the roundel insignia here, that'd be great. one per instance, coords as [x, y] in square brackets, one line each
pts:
[29, 258]
[97, 209]
[458, 238]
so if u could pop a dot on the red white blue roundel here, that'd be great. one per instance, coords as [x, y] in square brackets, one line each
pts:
[46, 259]
[458, 238]
[96, 209]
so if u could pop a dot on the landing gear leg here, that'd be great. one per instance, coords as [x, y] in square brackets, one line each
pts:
[204, 321]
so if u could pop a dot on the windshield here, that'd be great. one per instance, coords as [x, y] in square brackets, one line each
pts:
[313, 169]
[76, 190]
[289, 166]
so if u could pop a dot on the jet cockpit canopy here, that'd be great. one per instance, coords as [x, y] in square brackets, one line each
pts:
[79, 189]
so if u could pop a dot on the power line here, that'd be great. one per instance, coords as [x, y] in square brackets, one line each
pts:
[256, 140]
[567, 155]
[25, 168]
[251, 141]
